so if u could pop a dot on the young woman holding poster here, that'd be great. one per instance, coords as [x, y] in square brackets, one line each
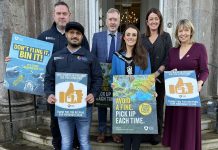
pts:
[182, 127]
[131, 59]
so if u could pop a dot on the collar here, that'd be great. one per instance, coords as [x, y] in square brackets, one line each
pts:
[81, 51]
[60, 31]
[74, 50]
[54, 28]
[108, 32]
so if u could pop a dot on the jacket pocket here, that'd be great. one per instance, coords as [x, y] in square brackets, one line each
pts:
[61, 65]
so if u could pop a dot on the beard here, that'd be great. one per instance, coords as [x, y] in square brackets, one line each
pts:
[74, 45]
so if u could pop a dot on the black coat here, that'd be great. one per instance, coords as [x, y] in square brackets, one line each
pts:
[158, 51]
[82, 61]
[59, 40]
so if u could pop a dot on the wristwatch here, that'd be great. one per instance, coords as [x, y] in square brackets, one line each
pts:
[159, 71]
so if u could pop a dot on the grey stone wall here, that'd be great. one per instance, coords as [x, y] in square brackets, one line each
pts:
[18, 16]
[213, 78]
[14, 14]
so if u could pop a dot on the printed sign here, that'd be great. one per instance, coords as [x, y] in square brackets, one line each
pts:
[105, 97]
[134, 105]
[26, 70]
[70, 92]
[181, 89]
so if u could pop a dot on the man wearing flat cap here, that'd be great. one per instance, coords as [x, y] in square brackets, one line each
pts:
[74, 59]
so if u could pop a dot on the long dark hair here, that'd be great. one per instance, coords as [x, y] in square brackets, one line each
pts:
[139, 53]
[160, 28]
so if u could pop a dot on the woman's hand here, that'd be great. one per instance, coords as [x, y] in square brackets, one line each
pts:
[156, 74]
[155, 94]
[174, 69]
[200, 83]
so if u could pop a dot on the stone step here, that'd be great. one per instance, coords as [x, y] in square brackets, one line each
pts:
[24, 145]
[39, 135]
[210, 141]
[45, 119]
[93, 129]
[43, 136]
[208, 131]
[206, 122]
[108, 145]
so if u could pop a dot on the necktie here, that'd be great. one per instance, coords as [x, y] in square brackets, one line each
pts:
[112, 48]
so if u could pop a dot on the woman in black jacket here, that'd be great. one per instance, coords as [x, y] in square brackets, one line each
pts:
[158, 43]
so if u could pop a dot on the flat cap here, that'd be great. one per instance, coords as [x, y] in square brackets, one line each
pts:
[74, 25]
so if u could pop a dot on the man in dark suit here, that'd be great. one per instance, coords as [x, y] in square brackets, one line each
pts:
[104, 45]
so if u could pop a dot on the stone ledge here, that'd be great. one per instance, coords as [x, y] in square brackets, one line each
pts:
[23, 145]
[209, 141]
[39, 135]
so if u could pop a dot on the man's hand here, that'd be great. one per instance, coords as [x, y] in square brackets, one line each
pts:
[90, 98]
[51, 99]
[7, 59]
[112, 85]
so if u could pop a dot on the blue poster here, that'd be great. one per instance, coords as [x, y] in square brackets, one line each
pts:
[134, 105]
[70, 93]
[26, 70]
[181, 89]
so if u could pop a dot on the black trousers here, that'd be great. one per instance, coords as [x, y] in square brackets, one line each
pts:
[160, 89]
[55, 131]
[131, 141]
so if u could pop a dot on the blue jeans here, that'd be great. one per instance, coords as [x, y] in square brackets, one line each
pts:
[102, 119]
[67, 126]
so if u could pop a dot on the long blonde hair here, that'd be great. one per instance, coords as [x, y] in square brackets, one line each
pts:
[184, 23]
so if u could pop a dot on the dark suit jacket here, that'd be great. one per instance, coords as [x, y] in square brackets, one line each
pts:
[99, 45]
[158, 51]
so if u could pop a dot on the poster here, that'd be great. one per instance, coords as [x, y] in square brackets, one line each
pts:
[105, 97]
[134, 105]
[70, 93]
[181, 89]
[26, 70]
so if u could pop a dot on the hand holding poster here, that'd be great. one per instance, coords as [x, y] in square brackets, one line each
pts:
[134, 105]
[70, 93]
[181, 89]
[26, 70]
[105, 97]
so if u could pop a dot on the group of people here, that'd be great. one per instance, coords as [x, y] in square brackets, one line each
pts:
[152, 52]
[131, 53]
